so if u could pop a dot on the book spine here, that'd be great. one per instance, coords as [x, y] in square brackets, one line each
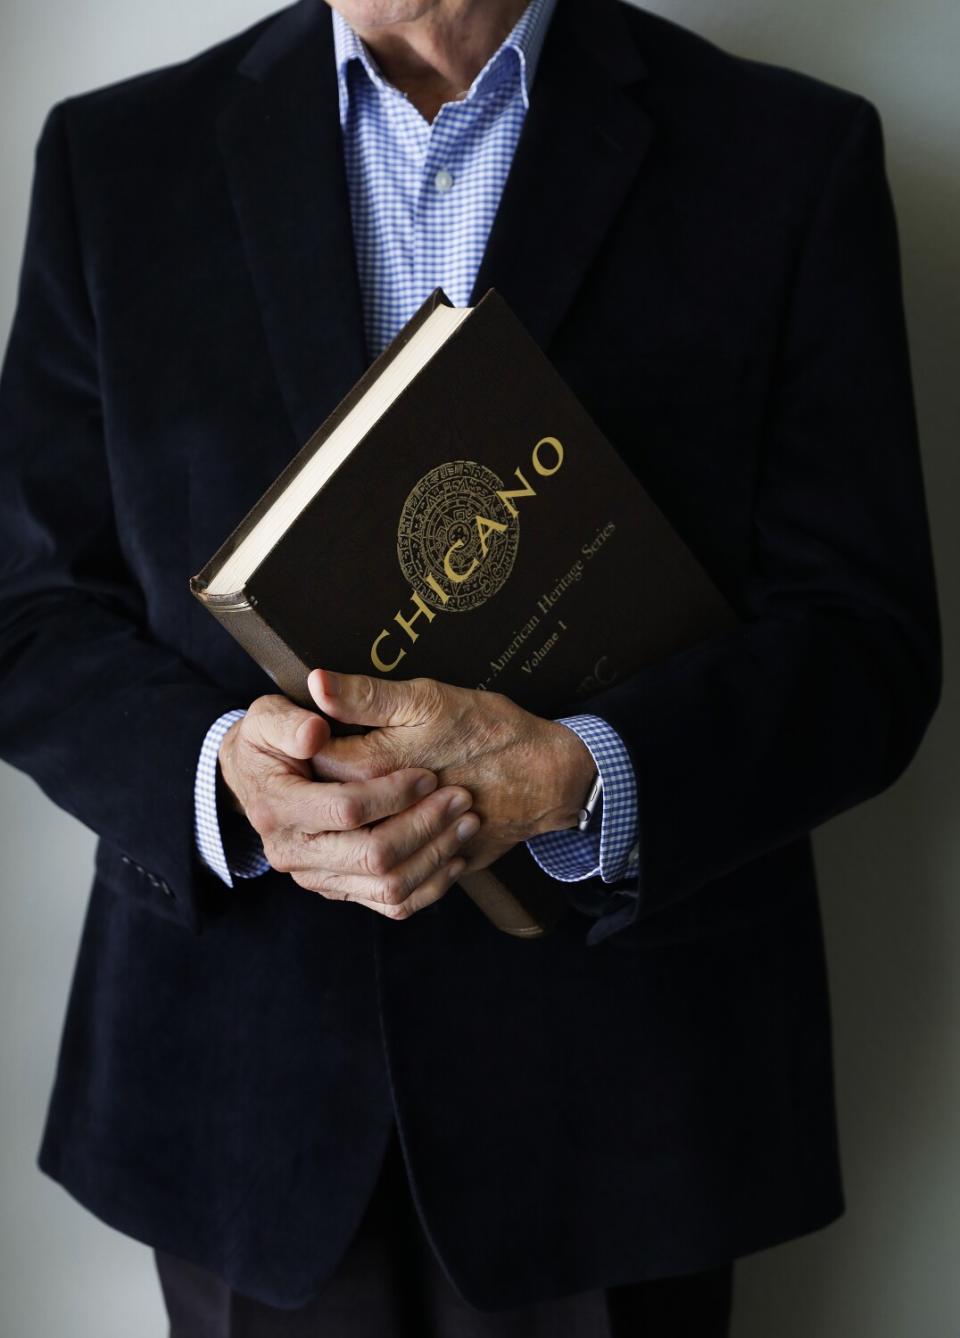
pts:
[503, 909]
[369, 378]
[241, 618]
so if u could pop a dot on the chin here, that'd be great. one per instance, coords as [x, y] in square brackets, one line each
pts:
[381, 13]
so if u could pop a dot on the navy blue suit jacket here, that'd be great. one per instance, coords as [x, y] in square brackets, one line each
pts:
[706, 248]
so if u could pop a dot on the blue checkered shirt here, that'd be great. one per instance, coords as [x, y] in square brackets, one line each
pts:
[423, 196]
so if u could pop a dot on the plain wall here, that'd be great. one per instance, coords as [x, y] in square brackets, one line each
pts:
[888, 870]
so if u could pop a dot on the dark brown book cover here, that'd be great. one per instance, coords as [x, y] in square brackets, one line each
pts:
[483, 532]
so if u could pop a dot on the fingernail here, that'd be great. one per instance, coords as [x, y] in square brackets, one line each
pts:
[425, 785]
[331, 683]
[459, 804]
[455, 868]
[467, 827]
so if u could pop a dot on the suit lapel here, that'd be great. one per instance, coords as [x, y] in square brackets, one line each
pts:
[279, 136]
[583, 140]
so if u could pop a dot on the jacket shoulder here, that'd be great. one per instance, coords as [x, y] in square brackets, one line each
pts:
[692, 76]
[179, 90]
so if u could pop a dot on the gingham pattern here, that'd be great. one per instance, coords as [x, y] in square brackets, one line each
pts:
[246, 858]
[573, 855]
[423, 196]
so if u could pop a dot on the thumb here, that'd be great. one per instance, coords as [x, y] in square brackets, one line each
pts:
[281, 726]
[360, 699]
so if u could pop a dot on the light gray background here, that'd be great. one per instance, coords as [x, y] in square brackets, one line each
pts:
[888, 871]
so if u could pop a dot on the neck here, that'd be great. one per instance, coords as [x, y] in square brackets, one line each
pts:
[436, 57]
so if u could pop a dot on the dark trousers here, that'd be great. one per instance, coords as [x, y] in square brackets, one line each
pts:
[390, 1285]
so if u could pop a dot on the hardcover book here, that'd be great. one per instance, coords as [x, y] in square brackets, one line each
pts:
[459, 515]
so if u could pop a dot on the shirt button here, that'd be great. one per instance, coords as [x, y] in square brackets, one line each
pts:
[443, 180]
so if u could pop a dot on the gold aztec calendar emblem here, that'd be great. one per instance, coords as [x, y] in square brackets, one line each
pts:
[454, 528]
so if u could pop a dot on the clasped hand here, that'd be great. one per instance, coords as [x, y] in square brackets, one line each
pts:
[444, 781]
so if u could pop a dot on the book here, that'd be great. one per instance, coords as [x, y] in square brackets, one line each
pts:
[460, 516]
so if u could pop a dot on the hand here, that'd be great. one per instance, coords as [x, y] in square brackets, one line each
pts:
[527, 775]
[391, 843]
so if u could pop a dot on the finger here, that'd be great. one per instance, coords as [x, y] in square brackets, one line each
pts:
[298, 805]
[361, 699]
[395, 840]
[357, 868]
[420, 868]
[372, 852]
[355, 757]
[431, 890]
[280, 726]
[435, 887]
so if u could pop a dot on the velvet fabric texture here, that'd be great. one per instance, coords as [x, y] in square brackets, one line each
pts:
[706, 248]
[389, 1284]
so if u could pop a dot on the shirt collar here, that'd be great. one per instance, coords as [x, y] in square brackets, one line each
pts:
[526, 38]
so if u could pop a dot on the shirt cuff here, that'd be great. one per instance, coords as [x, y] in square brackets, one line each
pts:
[241, 855]
[609, 847]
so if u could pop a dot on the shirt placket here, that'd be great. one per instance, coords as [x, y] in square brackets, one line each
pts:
[435, 213]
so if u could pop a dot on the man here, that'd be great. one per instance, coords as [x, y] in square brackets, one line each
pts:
[297, 1062]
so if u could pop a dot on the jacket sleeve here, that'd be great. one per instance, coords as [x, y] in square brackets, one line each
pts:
[107, 720]
[820, 698]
